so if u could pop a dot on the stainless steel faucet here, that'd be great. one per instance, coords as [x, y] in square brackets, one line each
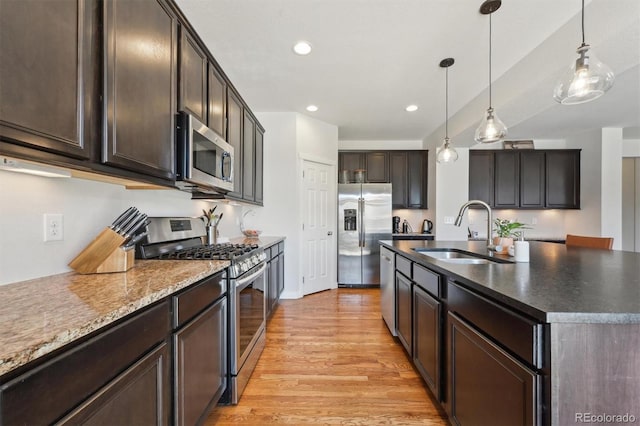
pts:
[464, 208]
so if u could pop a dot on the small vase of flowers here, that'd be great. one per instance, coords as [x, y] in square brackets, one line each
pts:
[507, 230]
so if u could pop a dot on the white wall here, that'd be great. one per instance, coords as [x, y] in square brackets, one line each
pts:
[601, 185]
[629, 202]
[452, 191]
[317, 138]
[288, 138]
[88, 207]
[611, 202]
[631, 147]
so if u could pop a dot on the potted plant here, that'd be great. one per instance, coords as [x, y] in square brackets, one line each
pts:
[506, 230]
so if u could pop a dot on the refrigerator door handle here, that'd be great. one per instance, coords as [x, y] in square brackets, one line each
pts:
[361, 219]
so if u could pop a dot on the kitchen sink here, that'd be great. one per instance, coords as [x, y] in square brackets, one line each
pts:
[458, 256]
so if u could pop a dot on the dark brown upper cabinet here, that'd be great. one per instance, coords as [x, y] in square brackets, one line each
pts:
[531, 179]
[351, 161]
[408, 177]
[405, 170]
[507, 180]
[99, 90]
[481, 172]
[417, 179]
[248, 157]
[48, 75]
[563, 179]
[377, 166]
[398, 177]
[192, 97]
[203, 90]
[235, 114]
[217, 102]
[140, 86]
[259, 179]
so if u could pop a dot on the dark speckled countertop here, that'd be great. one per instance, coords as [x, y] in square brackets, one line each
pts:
[559, 284]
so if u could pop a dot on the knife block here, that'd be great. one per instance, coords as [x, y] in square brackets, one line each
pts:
[104, 255]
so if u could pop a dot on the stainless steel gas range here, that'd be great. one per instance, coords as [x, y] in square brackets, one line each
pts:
[182, 238]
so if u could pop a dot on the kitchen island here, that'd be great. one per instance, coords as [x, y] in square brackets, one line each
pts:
[552, 341]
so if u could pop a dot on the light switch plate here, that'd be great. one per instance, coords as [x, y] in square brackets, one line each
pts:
[449, 220]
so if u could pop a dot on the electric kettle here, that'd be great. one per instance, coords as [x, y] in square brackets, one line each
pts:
[427, 226]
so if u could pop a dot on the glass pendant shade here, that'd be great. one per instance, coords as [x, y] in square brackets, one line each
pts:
[587, 79]
[446, 153]
[491, 128]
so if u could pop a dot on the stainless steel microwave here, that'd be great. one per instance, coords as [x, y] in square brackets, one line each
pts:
[205, 159]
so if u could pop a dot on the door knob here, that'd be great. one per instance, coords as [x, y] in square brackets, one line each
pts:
[330, 233]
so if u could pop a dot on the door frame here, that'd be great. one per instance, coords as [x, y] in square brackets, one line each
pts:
[332, 196]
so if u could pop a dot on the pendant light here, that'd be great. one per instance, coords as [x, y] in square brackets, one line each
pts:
[587, 78]
[491, 128]
[446, 153]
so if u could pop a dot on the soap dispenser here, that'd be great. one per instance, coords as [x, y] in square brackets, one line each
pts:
[521, 249]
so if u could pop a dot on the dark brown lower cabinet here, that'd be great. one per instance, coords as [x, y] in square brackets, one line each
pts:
[136, 397]
[274, 277]
[281, 272]
[403, 311]
[488, 386]
[426, 338]
[87, 379]
[200, 364]
[272, 291]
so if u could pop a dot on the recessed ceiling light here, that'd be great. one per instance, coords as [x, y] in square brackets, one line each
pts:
[312, 108]
[412, 108]
[302, 48]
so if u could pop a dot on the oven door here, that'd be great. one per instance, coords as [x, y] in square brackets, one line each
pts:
[248, 320]
[205, 159]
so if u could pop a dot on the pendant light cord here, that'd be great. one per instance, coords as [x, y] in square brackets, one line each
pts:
[583, 22]
[490, 59]
[446, 103]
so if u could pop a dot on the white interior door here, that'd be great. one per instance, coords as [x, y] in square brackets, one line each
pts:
[319, 218]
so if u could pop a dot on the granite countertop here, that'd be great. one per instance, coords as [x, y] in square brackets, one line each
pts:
[44, 314]
[559, 284]
[261, 241]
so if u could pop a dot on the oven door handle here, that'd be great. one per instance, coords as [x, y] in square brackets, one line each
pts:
[246, 280]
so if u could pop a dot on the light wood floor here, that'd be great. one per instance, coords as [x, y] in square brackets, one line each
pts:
[329, 359]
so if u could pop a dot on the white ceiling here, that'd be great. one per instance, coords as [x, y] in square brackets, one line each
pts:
[372, 58]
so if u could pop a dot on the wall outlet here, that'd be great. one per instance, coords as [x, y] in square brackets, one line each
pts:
[534, 220]
[53, 227]
[449, 220]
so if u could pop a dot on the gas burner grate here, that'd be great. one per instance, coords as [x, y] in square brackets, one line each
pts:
[225, 251]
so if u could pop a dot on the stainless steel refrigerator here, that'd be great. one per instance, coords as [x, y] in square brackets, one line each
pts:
[364, 218]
